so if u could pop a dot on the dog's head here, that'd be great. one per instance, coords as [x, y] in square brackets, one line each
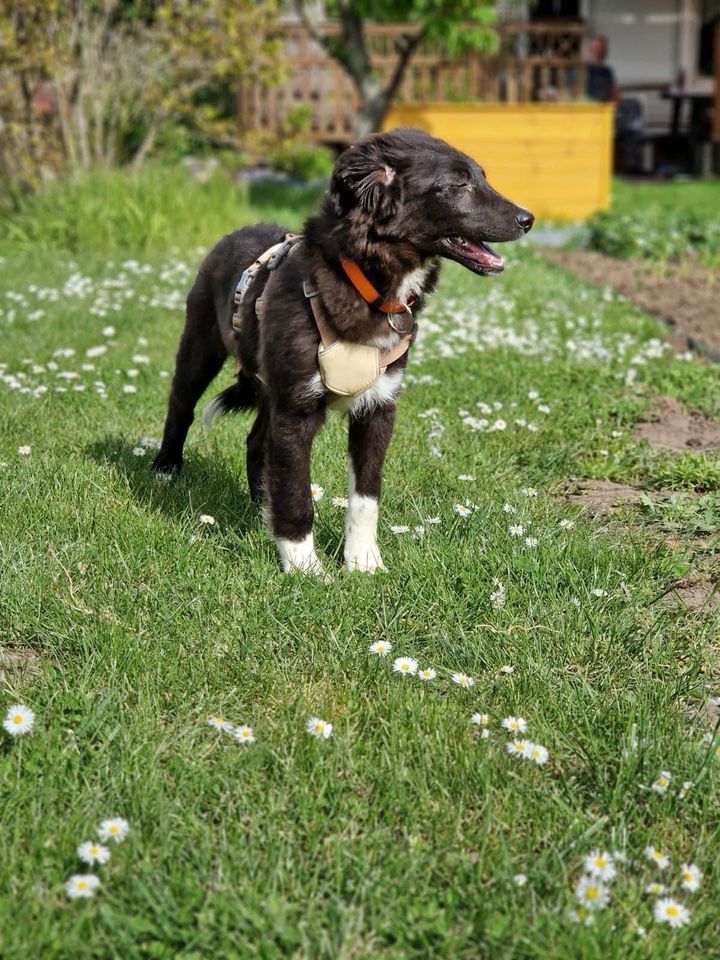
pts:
[406, 186]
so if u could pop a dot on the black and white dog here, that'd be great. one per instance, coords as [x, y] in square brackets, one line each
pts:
[397, 203]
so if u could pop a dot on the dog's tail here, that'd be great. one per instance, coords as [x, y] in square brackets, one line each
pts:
[241, 395]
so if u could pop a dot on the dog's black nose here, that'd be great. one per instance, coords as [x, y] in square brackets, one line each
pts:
[525, 219]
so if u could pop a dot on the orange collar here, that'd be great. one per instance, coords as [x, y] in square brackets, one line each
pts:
[368, 292]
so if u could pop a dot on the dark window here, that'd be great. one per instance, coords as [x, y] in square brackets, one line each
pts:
[550, 9]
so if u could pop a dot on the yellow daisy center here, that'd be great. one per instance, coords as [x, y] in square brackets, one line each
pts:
[687, 875]
[600, 862]
[113, 828]
[591, 893]
[82, 884]
[94, 851]
[406, 666]
[17, 718]
[318, 727]
[672, 910]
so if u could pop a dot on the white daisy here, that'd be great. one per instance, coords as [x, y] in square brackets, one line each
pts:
[220, 723]
[108, 331]
[82, 885]
[319, 728]
[19, 720]
[340, 502]
[519, 748]
[671, 912]
[461, 510]
[381, 647]
[519, 879]
[539, 754]
[655, 889]
[660, 859]
[691, 877]
[515, 724]
[114, 829]
[531, 542]
[244, 734]
[405, 665]
[507, 669]
[462, 680]
[529, 491]
[129, 388]
[600, 864]
[316, 492]
[206, 520]
[516, 530]
[567, 524]
[683, 792]
[662, 783]
[480, 719]
[508, 508]
[91, 852]
[598, 592]
[25, 450]
[592, 893]
[427, 674]
[400, 529]
[432, 521]
[533, 395]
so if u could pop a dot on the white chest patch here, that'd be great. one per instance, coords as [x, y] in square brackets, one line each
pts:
[413, 283]
[384, 390]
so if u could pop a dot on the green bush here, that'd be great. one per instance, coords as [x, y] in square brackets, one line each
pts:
[306, 161]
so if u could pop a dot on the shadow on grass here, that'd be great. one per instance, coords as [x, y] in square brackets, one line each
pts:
[205, 485]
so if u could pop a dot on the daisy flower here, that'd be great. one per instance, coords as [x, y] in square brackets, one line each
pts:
[519, 748]
[519, 879]
[691, 877]
[114, 829]
[660, 859]
[206, 520]
[25, 450]
[244, 734]
[319, 728]
[400, 529]
[316, 492]
[82, 885]
[19, 720]
[539, 754]
[507, 669]
[655, 889]
[515, 724]
[671, 912]
[567, 524]
[529, 491]
[531, 541]
[683, 792]
[480, 719]
[91, 852]
[433, 521]
[508, 508]
[381, 647]
[405, 665]
[662, 783]
[598, 592]
[463, 680]
[340, 502]
[466, 476]
[461, 510]
[600, 864]
[516, 530]
[129, 388]
[220, 723]
[592, 893]
[427, 674]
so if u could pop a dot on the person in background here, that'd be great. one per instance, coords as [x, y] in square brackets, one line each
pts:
[600, 82]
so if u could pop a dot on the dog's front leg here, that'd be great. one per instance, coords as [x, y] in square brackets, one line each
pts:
[368, 438]
[287, 470]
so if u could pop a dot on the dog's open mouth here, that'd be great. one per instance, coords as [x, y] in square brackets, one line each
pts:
[474, 254]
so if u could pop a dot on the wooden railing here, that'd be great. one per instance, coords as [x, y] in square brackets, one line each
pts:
[535, 61]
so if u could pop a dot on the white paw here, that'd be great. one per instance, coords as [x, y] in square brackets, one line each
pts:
[299, 556]
[364, 558]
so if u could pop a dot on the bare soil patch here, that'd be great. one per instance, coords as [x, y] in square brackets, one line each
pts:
[18, 664]
[687, 298]
[601, 497]
[671, 427]
[702, 596]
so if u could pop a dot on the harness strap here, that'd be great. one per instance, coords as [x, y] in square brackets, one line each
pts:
[328, 336]
[368, 292]
[273, 257]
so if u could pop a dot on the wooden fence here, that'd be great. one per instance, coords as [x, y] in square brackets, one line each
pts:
[535, 62]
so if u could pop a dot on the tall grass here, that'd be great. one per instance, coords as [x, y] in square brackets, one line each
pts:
[156, 208]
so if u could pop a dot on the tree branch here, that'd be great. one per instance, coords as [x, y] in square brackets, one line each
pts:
[311, 27]
[410, 45]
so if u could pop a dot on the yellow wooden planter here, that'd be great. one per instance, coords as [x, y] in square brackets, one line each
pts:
[553, 158]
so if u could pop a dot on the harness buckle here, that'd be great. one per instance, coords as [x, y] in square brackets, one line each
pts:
[309, 290]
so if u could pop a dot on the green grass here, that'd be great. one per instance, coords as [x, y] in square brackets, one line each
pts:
[398, 837]
[660, 221]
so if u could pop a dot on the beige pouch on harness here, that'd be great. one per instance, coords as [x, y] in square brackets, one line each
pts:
[348, 368]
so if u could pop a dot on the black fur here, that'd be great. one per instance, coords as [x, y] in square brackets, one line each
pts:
[397, 203]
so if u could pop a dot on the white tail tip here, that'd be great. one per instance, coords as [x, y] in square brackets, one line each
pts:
[211, 410]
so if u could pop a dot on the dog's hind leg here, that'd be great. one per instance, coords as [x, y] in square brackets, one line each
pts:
[368, 438]
[289, 503]
[256, 452]
[200, 356]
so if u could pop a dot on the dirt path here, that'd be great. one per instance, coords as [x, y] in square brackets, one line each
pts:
[686, 298]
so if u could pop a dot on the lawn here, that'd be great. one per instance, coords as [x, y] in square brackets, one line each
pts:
[126, 624]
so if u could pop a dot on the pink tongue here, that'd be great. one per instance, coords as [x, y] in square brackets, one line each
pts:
[483, 255]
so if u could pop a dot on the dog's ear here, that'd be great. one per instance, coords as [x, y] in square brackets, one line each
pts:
[362, 179]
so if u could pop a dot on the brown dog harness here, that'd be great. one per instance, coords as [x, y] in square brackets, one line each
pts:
[346, 368]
